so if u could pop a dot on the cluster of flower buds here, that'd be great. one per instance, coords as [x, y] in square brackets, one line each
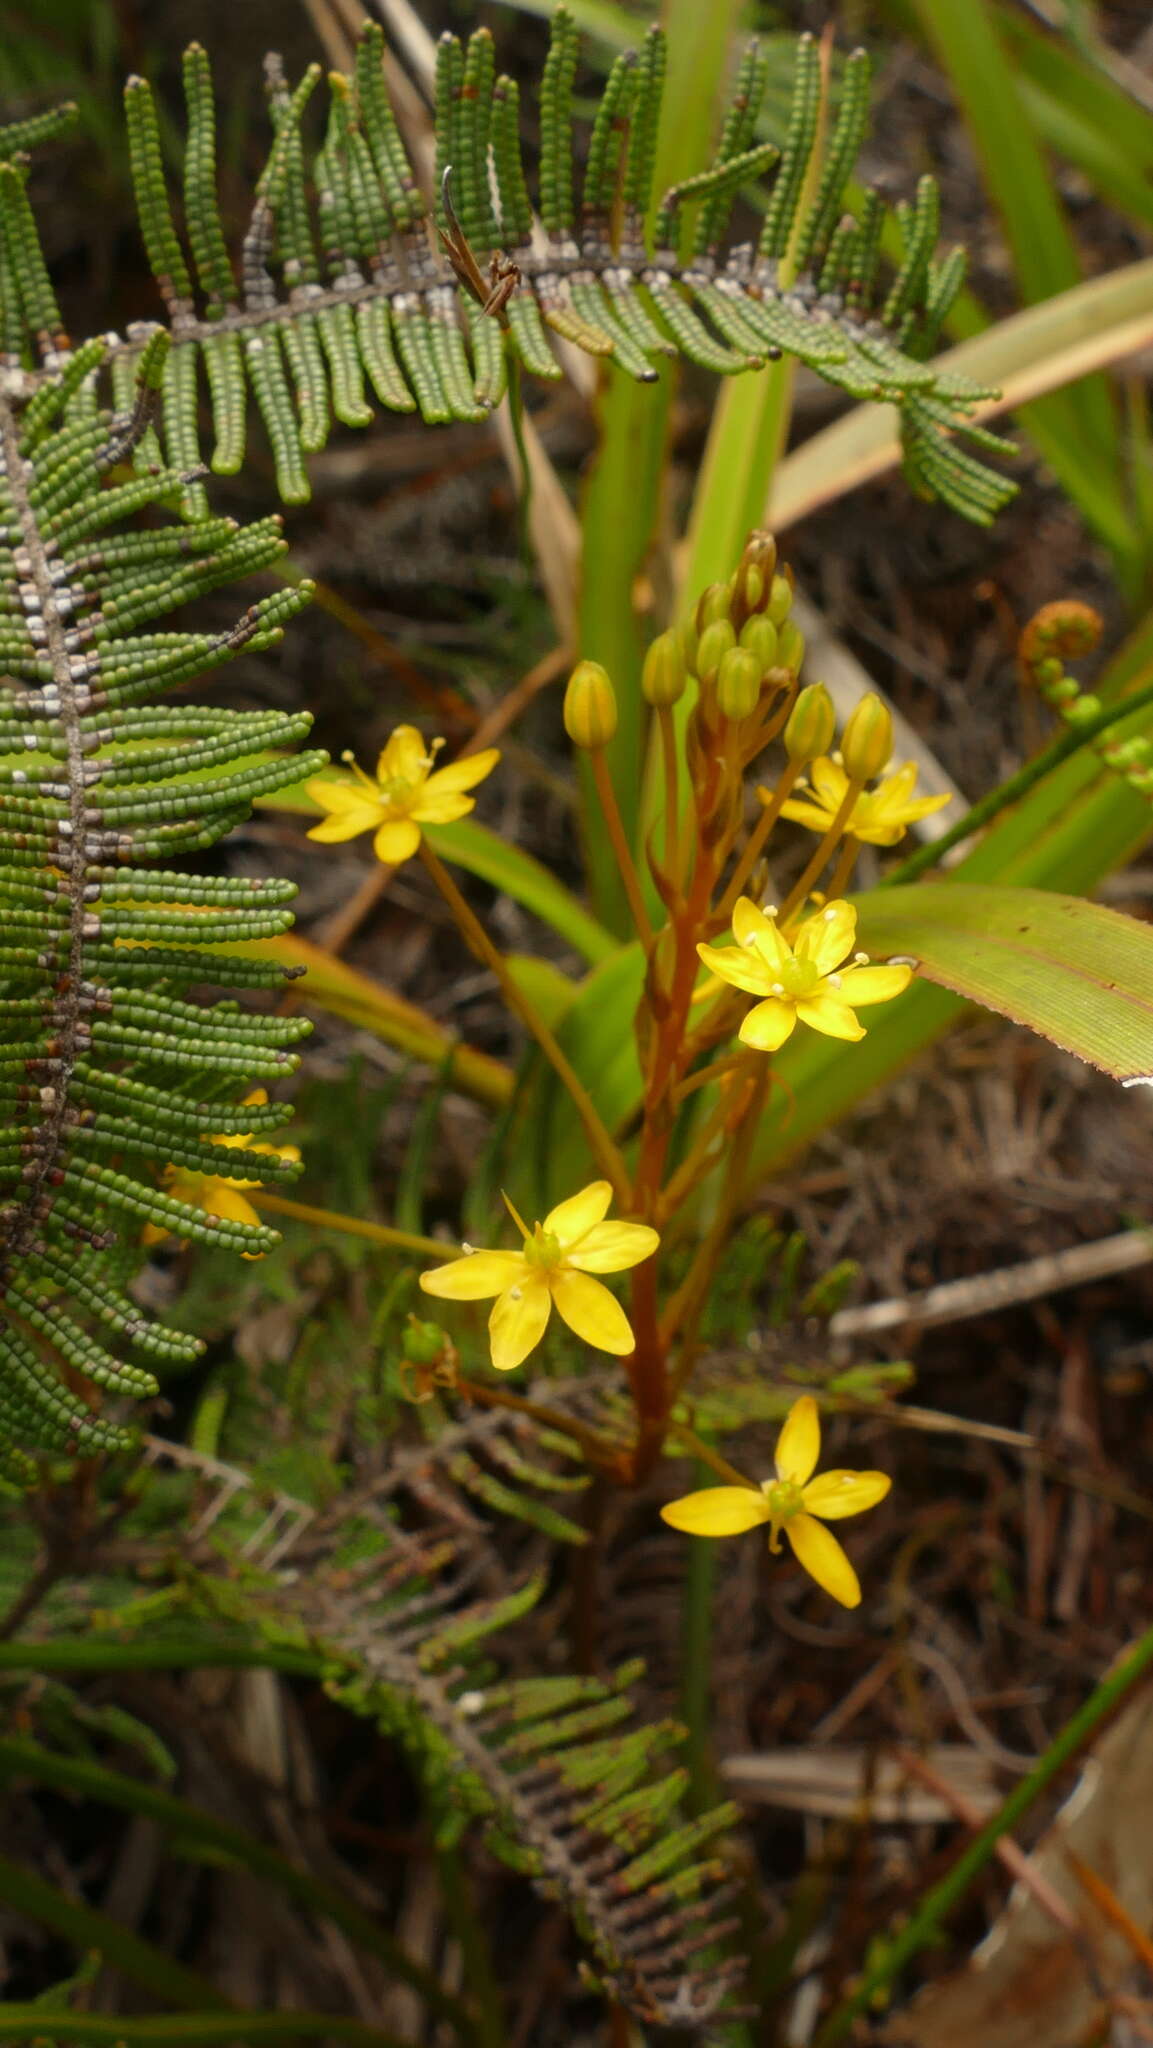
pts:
[740, 642]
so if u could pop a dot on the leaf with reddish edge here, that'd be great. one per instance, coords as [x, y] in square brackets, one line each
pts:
[1072, 971]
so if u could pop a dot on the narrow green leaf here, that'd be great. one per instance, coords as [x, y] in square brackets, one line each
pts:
[1073, 971]
[183, 2029]
[530, 884]
[621, 513]
[195, 1831]
[24, 1891]
[1077, 432]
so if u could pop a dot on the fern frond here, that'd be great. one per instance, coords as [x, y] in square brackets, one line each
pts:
[347, 295]
[565, 1789]
[111, 1076]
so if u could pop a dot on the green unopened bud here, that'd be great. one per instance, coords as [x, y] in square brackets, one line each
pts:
[712, 604]
[663, 676]
[714, 644]
[738, 683]
[790, 645]
[759, 635]
[867, 741]
[811, 726]
[780, 600]
[755, 573]
[423, 1342]
[590, 706]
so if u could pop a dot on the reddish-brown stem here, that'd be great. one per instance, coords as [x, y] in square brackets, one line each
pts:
[606, 796]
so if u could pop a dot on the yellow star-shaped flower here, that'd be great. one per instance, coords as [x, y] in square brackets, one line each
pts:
[217, 1194]
[409, 791]
[804, 982]
[794, 1501]
[879, 816]
[555, 1264]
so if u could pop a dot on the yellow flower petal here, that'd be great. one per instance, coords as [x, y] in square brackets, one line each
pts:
[827, 937]
[223, 1199]
[768, 1025]
[405, 758]
[826, 1012]
[463, 774]
[740, 969]
[571, 1218]
[799, 1443]
[830, 782]
[817, 1549]
[444, 809]
[613, 1247]
[873, 984]
[717, 1511]
[833, 1495]
[346, 824]
[475, 1277]
[397, 840]
[519, 1320]
[592, 1313]
[338, 794]
[752, 929]
[804, 812]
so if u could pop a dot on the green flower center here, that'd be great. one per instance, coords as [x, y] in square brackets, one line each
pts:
[799, 978]
[785, 1499]
[543, 1249]
[399, 791]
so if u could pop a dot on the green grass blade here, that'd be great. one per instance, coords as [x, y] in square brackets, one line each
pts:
[1077, 432]
[194, 1829]
[621, 514]
[24, 1891]
[922, 1924]
[184, 2029]
[530, 884]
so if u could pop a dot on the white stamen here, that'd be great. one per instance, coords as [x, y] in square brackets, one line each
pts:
[860, 959]
[834, 980]
[777, 989]
[828, 912]
[515, 1294]
[468, 1250]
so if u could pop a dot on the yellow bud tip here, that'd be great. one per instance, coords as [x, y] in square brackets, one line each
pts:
[590, 706]
[867, 741]
[811, 726]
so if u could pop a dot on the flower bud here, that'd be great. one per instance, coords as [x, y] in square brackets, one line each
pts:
[712, 604]
[780, 600]
[424, 1342]
[867, 741]
[754, 580]
[738, 683]
[811, 726]
[590, 706]
[790, 646]
[715, 643]
[663, 676]
[759, 635]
